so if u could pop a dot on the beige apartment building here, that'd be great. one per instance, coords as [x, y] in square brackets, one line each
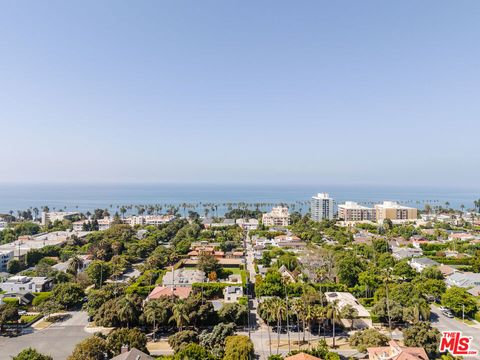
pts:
[279, 216]
[394, 211]
[351, 211]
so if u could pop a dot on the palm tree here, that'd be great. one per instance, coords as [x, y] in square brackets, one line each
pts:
[280, 310]
[126, 310]
[180, 314]
[318, 314]
[267, 313]
[387, 278]
[298, 309]
[333, 314]
[75, 264]
[309, 317]
[155, 311]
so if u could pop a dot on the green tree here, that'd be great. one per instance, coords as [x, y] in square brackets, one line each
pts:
[214, 340]
[134, 338]
[208, 264]
[193, 352]
[181, 338]
[458, 299]
[238, 347]
[403, 270]
[180, 314]
[128, 309]
[422, 334]
[155, 313]
[350, 313]
[92, 348]
[14, 266]
[31, 354]
[98, 272]
[364, 339]
[348, 269]
[68, 294]
[233, 312]
[432, 272]
[8, 313]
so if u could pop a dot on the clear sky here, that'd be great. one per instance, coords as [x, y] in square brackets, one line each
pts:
[347, 92]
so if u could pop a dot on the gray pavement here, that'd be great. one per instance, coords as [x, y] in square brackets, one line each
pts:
[58, 340]
[443, 323]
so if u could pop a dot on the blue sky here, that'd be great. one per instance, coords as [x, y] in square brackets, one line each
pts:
[337, 92]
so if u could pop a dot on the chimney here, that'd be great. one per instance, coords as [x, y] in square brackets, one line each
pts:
[124, 349]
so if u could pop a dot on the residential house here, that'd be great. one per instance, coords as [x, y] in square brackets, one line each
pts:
[247, 224]
[401, 253]
[232, 293]
[159, 291]
[446, 270]
[396, 352]
[420, 264]
[342, 299]
[463, 279]
[25, 284]
[286, 274]
[133, 354]
[183, 277]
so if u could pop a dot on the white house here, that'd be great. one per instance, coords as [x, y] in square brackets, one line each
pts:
[342, 299]
[232, 293]
[420, 264]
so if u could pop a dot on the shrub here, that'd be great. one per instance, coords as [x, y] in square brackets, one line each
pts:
[41, 298]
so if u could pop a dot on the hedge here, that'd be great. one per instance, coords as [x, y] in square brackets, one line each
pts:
[452, 261]
[477, 316]
[12, 301]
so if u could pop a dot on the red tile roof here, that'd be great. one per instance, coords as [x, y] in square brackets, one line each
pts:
[159, 291]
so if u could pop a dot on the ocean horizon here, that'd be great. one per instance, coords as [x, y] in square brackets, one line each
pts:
[83, 197]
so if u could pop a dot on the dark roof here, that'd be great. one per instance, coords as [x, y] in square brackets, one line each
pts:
[133, 354]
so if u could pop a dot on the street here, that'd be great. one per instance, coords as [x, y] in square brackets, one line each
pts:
[58, 340]
[443, 323]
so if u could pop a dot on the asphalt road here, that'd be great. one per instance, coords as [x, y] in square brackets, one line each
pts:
[443, 323]
[58, 340]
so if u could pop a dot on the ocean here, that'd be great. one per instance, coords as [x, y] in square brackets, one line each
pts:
[89, 197]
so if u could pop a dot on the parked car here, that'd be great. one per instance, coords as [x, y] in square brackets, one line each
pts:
[447, 313]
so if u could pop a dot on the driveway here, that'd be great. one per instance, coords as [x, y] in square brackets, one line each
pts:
[443, 323]
[58, 340]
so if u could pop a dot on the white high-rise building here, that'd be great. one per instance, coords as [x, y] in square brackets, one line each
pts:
[321, 207]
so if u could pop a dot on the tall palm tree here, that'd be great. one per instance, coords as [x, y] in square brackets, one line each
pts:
[154, 312]
[309, 317]
[333, 315]
[297, 308]
[126, 310]
[280, 310]
[180, 314]
[267, 313]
